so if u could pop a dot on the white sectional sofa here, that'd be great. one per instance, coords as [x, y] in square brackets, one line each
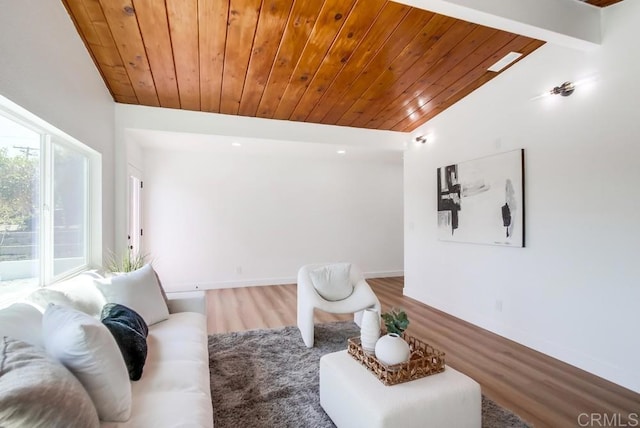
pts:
[174, 390]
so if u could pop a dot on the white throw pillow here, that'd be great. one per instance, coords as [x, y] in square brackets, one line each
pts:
[333, 281]
[87, 348]
[23, 322]
[138, 290]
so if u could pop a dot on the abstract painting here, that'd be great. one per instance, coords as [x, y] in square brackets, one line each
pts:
[482, 201]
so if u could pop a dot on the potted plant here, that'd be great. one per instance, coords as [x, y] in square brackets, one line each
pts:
[396, 321]
[128, 262]
[392, 349]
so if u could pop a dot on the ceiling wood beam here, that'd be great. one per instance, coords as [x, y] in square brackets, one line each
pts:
[568, 23]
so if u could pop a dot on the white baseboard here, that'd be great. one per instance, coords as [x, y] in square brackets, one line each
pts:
[559, 351]
[189, 286]
[216, 285]
[384, 274]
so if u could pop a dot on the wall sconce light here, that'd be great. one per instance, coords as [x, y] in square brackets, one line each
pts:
[565, 89]
[421, 139]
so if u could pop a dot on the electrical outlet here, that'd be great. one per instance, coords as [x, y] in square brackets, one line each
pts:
[239, 270]
[498, 305]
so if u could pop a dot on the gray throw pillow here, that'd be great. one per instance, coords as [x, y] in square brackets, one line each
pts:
[37, 391]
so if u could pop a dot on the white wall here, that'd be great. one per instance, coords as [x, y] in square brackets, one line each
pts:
[220, 216]
[145, 126]
[574, 291]
[45, 68]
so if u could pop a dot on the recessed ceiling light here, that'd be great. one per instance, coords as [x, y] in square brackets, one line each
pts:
[341, 152]
[236, 144]
[506, 60]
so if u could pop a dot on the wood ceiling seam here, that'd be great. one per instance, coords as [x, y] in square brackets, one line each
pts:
[86, 44]
[378, 91]
[188, 69]
[145, 52]
[173, 58]
[426, 79]
[210, 97]
[111, 81]
[228, 101]
[441, 86]
[289, 50]
[262, 54]
[153, 100]
[322, 107]
[284, 111]
[273, 64]
[359, 85]
[440, 101]
[106, 54]
[309, 37]
[166, 85]
[344, 60]
[253, 43]
[371, 72]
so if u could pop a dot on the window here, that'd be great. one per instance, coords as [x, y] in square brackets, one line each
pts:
[45, 186]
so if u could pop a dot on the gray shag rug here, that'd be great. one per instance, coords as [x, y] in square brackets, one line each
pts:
[268, 378]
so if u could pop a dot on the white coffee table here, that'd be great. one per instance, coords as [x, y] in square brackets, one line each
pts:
[353, 397]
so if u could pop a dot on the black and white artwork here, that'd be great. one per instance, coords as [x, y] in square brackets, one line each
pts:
[482, 201]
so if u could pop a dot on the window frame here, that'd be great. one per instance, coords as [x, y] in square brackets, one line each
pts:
[49, 137]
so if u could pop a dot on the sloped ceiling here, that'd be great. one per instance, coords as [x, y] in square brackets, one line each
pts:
[361, 63]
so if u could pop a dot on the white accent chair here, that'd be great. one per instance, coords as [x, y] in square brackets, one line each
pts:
[309, 299]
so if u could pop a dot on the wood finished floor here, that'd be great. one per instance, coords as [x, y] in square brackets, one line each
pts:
[542, 390]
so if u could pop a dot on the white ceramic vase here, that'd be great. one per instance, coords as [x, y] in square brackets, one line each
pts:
[369, 330]
[391, 349]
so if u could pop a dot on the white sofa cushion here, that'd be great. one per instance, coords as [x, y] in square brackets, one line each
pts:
[23, 322]
[138, 290]
[37, 391]
[78, 292]
[82, 293]
[174, 389]
[87, 348]
[42, 297]
[332, 282]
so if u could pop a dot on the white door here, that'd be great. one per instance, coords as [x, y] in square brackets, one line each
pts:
[135, 229]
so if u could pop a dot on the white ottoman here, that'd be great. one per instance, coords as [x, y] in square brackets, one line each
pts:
[354, 397]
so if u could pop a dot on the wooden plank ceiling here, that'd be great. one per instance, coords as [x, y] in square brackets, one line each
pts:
[362, 63]
[603, 3]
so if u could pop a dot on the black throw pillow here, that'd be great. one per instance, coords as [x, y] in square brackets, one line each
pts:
[130, 332]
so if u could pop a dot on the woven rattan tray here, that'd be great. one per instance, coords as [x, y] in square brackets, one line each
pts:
[425, 360]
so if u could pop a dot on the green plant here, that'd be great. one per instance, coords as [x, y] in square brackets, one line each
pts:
[395, 320]
[128, 262]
